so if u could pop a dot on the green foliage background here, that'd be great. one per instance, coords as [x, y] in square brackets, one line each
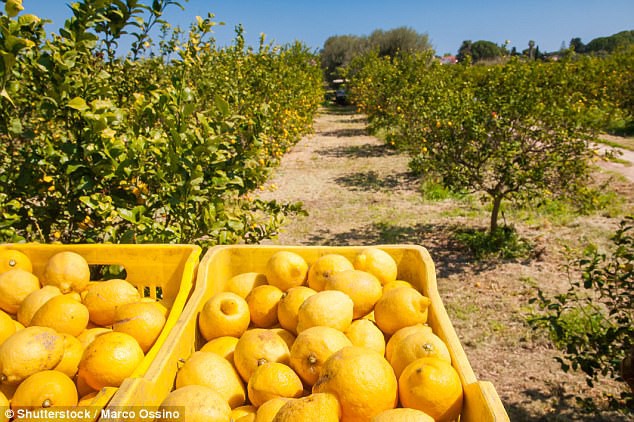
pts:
[163, 148]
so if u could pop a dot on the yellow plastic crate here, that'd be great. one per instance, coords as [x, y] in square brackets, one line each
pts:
[158, 271]
[481, 401]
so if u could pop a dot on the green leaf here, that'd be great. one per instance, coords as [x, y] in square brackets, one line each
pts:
[222, 105]
[78, 104]
[127, 215]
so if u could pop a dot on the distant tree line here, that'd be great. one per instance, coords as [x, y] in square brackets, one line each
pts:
[339, 50]
[482, 50]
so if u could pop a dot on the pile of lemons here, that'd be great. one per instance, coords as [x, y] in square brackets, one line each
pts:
[64, 337]
[339, 340]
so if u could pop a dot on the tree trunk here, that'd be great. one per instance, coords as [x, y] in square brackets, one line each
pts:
[497, 200]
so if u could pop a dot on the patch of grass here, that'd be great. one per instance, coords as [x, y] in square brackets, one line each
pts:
[434, 191]
[463, 312]
[503, 243]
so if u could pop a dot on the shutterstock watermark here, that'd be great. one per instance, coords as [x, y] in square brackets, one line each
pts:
[91, 413]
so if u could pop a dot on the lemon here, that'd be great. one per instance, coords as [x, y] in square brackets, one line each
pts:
[324, 268]
[285, 269]
[330, 308]
[73, 351]
[15, 286]
[222, 346]
[34, 301]
[263, 301]
[362, 380]
[28, 351]
[7, 326]
[400, 335]
[433, 386]
[362, 287]
[288, 306]
[317, 407]
[242, 284]
[206, 368]
[202, 404]
[110, 359]
[402, 414]
[271, 380]
[63, 314]
[399, 308]
[67, 270]
[45, 389]
[256, 347]
[418, 345]
[11, 259]
[103, 298]
[143, 321]
[224, 314]
[311, 349]
[365, 333]
[378, 262]
[267, 412]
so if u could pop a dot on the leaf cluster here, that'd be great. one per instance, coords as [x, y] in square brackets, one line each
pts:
[162, 148]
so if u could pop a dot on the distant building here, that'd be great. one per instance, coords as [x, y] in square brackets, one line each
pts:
[448, 59]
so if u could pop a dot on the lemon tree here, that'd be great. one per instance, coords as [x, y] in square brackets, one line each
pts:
[162, 143]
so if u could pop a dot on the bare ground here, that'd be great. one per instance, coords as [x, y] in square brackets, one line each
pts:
[358, 192]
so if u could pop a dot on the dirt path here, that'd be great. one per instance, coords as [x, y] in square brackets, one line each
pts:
[357, 191]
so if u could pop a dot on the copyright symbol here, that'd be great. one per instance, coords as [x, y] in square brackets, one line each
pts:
[9, 413]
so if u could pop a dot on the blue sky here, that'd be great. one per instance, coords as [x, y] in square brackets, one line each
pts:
[447, 23]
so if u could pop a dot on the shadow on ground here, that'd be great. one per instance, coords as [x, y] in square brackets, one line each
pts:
[449, 255]
[357, 151]
[345, 133]
[373, 181]
[558, 406]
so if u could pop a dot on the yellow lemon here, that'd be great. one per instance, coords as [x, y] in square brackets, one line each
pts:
[7, 326]
[365, 333]
[288, 307]
[73, 351]
[312, 348]
[285, 269]
[324, 268]
[34, 301]
[45, 389]
[400, 335]
[28, 351]
[67, 270]
[362, 380]
[110, 359]
[318, 407]
[224, 314]
[4, 405]
[362, 287]
[273, 379]
[400, 308]
[103, 298]
[11, 259]
[202, 404]
[402, 414]
[256, 347]
[15, 286]
[418, 345]
[330, 308]
[267, 412]
[63, 314]
[242, 284]
[396, 283]
[89, 334]
[263, 301]
[143, 321]
[206, 368]
[433, 386]
[378, 262]
[222, 346]
[287, 336]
